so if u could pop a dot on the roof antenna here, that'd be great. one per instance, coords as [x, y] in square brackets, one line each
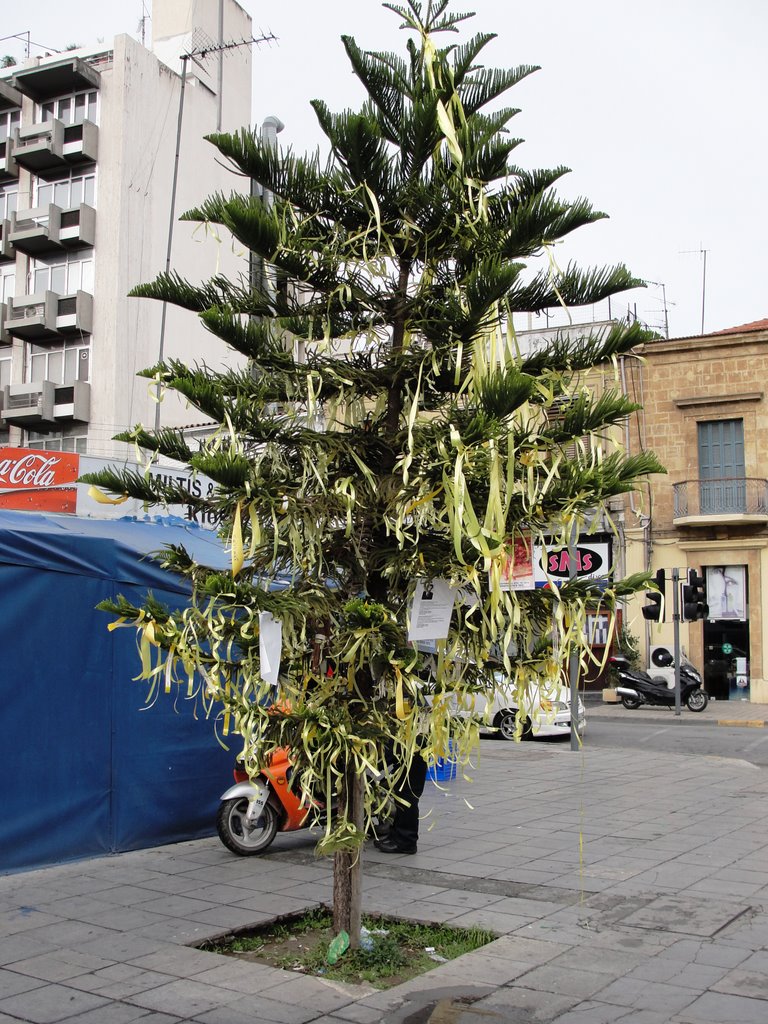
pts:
[703, 252]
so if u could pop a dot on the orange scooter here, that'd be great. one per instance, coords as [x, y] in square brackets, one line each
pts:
[253, 811]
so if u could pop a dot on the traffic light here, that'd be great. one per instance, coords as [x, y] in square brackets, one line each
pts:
[654, 610]
[694, 605]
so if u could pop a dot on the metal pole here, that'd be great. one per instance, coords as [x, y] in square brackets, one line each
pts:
[172, 219]
[703, 288]
[573, 660]
[676, 621]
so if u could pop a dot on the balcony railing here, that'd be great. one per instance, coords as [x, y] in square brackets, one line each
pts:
[722, 499]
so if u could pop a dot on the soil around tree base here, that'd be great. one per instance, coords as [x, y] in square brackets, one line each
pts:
[394, 949]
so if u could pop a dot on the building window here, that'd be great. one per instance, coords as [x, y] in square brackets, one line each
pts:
[9, 119]
[63, 363]
[5, 365]
[64, 273]
[7, 281]
[70, 439]
[72, 109]
[9, 197]
[68, 189]
[722, 484]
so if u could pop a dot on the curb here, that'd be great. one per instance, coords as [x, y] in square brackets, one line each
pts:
[754, 723]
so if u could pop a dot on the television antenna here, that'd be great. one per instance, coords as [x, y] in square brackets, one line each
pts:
[703, 252]
[660, 284]
[197, 55]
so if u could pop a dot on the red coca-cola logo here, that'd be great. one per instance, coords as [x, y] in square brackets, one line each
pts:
[26, 468]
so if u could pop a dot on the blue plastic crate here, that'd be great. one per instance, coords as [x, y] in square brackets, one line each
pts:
[443, 769]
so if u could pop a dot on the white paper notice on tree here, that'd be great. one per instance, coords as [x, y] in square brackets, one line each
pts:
[431, 610]
[270, 646]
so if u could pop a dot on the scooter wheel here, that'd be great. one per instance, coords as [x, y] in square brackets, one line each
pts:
[631, 703]
[697, 700]
[235, 833]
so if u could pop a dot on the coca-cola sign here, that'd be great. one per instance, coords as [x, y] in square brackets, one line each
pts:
[37, 480]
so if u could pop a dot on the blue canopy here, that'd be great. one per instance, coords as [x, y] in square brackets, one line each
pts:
[88, 768]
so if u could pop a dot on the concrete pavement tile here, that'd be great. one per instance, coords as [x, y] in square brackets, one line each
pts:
[564, 981]
[526, 950]
[11, 983]
[120, 946]
[750, 978]
[61, 965]
[22, 947]
[121, 1013]
[183, 997]
[603, 960]
[50, 1004]
[646, 995]
[464, 899]
[356, 1013]
[686, 916]
[119, 981]
[482, 969]
[71, 933]
[230, 918]
[180, 961]
[706, 951]
[254, 1010]
[316, 993]
[275, 904]
[487, 917]
[719, 1008]
[530, 1004]
[175, 929]
[591, 1012]
[243, 976]
[696, 976]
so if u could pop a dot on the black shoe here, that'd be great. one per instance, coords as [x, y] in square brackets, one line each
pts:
[390, 845]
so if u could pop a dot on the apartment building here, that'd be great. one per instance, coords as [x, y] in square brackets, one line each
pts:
[88, 142]
[705, 414]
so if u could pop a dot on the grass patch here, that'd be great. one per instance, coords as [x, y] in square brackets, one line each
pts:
[394, 950]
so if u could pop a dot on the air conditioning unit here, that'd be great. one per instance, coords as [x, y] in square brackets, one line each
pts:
[659, 654]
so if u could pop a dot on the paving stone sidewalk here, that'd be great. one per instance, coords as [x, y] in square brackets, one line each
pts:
[623, 886]
[723, 712]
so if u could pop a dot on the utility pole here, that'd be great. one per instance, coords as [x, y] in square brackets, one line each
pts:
[676, 635]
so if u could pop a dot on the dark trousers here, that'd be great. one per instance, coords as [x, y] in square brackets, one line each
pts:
[405, 825]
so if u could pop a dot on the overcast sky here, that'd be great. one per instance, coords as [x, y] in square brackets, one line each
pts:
[658, 108]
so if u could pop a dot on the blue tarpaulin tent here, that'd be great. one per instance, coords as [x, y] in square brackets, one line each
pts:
[86, 769]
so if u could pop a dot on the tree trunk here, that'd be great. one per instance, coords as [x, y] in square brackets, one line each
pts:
[348, 869]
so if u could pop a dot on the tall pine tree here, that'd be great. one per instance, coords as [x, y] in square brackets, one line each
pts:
[386, 429]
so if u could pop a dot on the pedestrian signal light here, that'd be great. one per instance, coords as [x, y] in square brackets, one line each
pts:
[693, 602]
[654, 609]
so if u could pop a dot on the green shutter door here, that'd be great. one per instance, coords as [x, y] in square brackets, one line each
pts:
[721, 467]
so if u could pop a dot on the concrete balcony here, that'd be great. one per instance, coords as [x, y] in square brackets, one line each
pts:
[43, 405]
[51, 229]
[47, 316]
[727, 501]
[29, 405]
[7, 251]
[52, 78]
[5, 338]
[49, 146]
[9, 169]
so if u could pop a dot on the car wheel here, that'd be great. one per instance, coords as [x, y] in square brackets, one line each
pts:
[507, 726]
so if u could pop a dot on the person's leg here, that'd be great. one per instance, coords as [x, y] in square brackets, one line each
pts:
[404, 832]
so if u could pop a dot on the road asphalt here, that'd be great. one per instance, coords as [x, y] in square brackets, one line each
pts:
[622, 886]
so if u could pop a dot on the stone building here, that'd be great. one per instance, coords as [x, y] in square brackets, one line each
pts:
[705, 415]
